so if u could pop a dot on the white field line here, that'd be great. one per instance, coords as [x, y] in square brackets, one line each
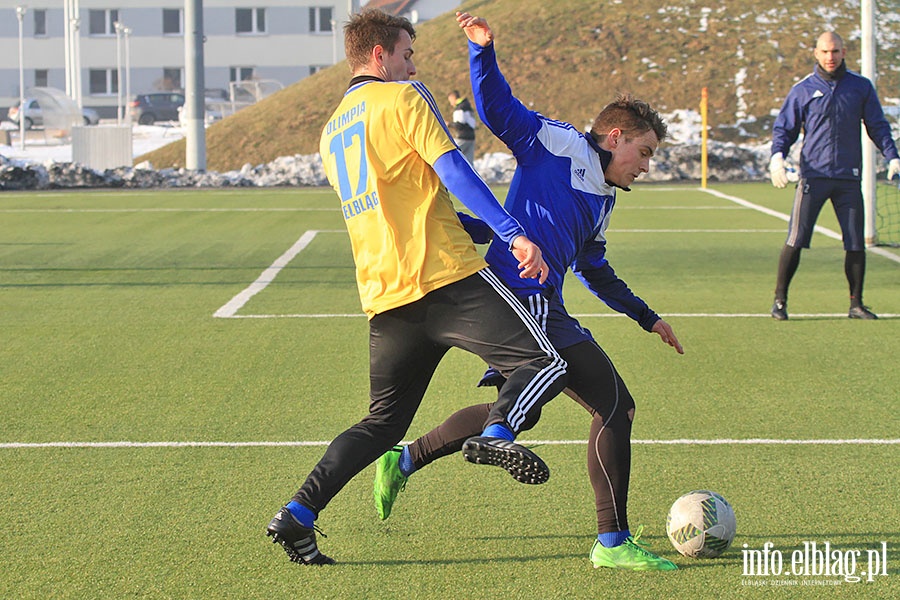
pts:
[305, 316]
[130, 194]
[294, 444]
[287, 209]
[229, 310]
[778, 215]
[161, 210]
[629, 207]
[742, 315]
[582, 315]
[235, 192]
[612, 230]
[266, 277]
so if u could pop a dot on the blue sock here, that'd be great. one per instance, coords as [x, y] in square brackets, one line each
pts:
[301, 513]
[499, 430]
[613, 538]
[406, 463]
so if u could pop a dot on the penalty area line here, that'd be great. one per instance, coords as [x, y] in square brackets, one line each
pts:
[229, 310]
[293, 444]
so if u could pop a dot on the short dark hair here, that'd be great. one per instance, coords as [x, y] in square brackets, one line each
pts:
[369, 28]
[634, 117]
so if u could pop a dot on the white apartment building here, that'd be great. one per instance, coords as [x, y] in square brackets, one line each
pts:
[283, 40]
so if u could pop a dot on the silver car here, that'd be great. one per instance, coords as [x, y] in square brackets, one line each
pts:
[34, 116]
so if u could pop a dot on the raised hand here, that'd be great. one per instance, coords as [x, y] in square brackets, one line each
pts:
[476, 29]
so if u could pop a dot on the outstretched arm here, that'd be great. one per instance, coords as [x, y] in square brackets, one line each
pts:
[464, 183]
[499, 110]
[425, 131]
[595, 272]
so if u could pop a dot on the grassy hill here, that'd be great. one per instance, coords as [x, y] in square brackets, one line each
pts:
[568, 58]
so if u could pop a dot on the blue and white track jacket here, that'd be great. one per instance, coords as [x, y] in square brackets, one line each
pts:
[830, 114]
[558, 194]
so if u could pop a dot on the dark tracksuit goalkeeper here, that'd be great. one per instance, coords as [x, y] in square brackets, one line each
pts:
[829, 106]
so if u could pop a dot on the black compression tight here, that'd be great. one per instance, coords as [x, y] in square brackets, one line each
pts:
[593, 383]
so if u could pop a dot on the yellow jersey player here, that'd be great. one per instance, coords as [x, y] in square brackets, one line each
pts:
[391, 160]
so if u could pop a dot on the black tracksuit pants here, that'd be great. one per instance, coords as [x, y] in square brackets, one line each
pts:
[478, 314]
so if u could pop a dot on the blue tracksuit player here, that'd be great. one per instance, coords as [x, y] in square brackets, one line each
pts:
[560, 189]
[829, 106]
[562, 193]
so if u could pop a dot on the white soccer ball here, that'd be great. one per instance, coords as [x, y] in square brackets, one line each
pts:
[701, 524]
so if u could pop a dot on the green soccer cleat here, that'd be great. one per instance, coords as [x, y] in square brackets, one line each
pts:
[389, 481]
[631, 555]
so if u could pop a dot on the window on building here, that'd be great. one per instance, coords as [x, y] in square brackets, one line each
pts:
[250, 20]
[240, 74]
[104, 82]
[41, 78]
[40, 22]
[320, 18]
[172, 78]
[173, 21]
[102, 22]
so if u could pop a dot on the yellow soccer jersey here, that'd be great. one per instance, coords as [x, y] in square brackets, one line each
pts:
[377, 150]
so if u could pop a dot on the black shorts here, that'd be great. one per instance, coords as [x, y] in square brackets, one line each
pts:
[810, 197]
[478, 314]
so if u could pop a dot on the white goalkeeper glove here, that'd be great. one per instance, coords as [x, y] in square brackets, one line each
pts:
[893, 168]
[777, 171]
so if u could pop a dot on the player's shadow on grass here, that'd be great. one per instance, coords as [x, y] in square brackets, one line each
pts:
[547, 536]
[478, 560]
[730, 560]
[889, 317]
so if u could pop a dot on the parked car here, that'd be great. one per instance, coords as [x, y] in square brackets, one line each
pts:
[147, 109]
[34, 116]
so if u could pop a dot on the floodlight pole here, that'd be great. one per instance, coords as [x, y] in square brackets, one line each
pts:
[867, 31]
[127, 32]
[67, 46]
[194, 105]
[119, 28]
[72, 50]
[75, 24]
[20, 14]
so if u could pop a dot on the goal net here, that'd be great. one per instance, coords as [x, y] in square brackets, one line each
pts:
[887, 210]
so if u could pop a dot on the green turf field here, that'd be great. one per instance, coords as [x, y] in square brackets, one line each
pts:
[166, 319]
